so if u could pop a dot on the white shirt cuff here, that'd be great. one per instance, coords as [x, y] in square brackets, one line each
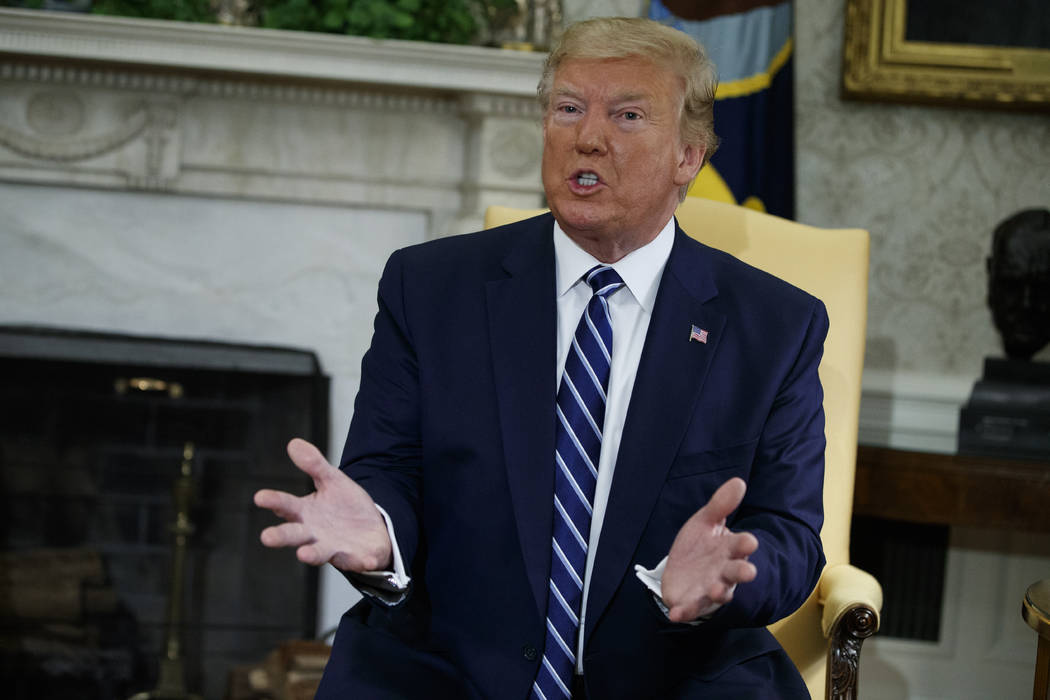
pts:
[389, 587]
[652, 578]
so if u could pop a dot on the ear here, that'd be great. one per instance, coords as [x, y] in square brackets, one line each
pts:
[692, 157]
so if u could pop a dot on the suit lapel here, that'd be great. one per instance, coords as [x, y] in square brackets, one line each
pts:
[670, 376]
[523, 321]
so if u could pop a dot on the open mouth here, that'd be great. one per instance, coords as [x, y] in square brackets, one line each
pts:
[586, 179]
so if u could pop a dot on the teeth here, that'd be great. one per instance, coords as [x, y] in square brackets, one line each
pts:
[587, 179]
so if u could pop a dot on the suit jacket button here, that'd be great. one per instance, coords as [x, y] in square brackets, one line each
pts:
[529, 652]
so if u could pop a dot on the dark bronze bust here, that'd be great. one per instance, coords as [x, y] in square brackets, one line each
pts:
[1019, 282]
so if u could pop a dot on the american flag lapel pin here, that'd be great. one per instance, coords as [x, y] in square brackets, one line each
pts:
[698, 334]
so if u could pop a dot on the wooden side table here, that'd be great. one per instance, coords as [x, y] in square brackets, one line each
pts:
[923, 487]
[1036, 612]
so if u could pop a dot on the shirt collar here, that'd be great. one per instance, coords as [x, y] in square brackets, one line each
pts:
[640, 269]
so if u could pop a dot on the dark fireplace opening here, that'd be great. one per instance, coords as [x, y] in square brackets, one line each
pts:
[112, 447]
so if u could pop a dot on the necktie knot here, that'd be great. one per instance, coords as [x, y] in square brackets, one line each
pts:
[603, 280]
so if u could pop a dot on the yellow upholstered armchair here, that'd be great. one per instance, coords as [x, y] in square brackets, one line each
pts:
[824, 636]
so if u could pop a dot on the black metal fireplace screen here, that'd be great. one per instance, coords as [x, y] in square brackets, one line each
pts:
[101, 437]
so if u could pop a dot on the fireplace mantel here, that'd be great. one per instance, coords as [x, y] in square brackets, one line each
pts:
[213, 110]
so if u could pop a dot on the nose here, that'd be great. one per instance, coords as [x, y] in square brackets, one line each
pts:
[590, 134]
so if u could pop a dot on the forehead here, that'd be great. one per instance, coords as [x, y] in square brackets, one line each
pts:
[612, 78]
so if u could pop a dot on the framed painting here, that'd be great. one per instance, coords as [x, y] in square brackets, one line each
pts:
[948, 52]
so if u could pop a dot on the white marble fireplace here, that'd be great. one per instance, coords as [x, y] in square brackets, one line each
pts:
[244, 185]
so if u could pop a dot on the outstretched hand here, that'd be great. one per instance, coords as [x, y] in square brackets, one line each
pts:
[337, 523]
[707, 560]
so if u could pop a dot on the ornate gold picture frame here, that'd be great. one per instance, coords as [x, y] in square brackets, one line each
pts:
[879, 63]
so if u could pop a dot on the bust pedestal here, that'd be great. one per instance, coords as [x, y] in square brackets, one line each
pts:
[1008, 413]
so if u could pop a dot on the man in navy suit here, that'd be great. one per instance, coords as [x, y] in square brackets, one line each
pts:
[705, 518]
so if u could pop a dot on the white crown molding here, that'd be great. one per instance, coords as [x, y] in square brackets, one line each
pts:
[295, 56]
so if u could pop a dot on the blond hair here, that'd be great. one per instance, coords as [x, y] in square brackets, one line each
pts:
[621, 37]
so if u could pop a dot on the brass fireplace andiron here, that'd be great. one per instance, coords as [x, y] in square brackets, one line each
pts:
[172, 682]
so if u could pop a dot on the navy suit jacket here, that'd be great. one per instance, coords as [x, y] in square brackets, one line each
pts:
[453, 434]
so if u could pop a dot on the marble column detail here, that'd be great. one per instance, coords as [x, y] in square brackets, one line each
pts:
[503, 150]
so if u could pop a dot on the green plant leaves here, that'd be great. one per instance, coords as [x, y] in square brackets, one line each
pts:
[449, 21]
[182, 10]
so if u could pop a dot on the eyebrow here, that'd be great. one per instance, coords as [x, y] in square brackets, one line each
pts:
[631, 97]
[566, 92]
[616, 99]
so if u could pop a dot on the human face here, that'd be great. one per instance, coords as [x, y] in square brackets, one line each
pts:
[613, 157]
[1019, 291]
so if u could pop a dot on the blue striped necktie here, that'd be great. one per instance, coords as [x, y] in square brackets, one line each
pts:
[580, 410]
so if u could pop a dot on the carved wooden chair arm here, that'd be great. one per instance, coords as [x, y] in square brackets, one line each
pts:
[851, 600]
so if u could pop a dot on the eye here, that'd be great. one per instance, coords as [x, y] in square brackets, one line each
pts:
[568, 109]
[631, 116]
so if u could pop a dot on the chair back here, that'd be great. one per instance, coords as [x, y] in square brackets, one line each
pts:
[832, 265]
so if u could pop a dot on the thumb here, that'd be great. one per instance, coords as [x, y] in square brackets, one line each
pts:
[308, 458]
[725, 500]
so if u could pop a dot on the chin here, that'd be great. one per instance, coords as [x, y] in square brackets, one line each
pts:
[581, 216]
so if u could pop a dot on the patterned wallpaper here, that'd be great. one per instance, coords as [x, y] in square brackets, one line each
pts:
[929, 183]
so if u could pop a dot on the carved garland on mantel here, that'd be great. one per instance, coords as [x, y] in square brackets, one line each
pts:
[147, 116]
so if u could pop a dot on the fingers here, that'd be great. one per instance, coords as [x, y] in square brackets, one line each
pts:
[284, 505]
[725, 500]
[308, 549]
[742, 545]
[716, 594]
[308, 458]
[738, 571]
[286, 535]
[310, 554]
[295, 535]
